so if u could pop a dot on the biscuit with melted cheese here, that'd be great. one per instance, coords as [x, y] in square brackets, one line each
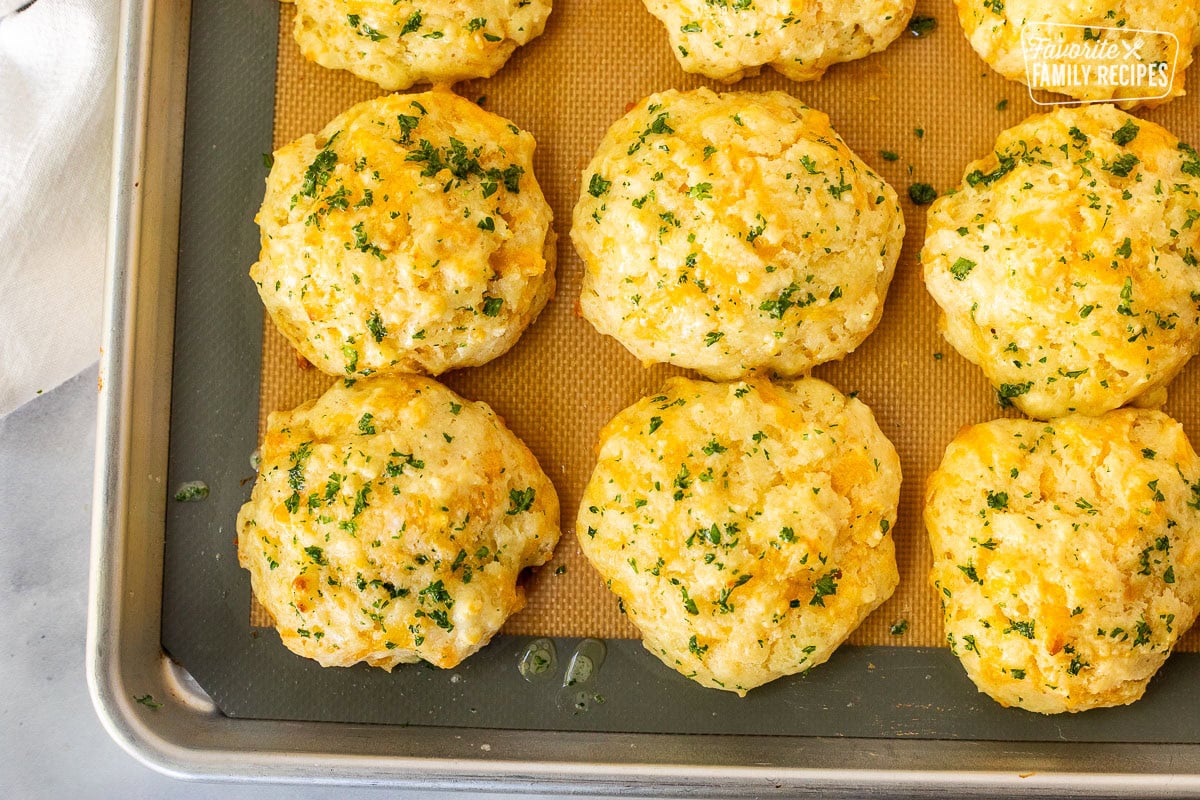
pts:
[409, 235]
[390, 521]
[731, 39]
[995, 29]
[1066, 555]
[399, 43]
[744, 526]
[1066, 265]
[734, 233]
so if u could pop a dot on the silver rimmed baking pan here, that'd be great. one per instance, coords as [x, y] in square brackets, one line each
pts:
[183, 682]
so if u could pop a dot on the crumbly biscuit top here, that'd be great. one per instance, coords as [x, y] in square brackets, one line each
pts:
[744, 526]
[389, 522]
[1067, 264]
[398, 43]
[1149, 27]
[735, 232]
[729, 39]
[409, 235]
[1066, 554]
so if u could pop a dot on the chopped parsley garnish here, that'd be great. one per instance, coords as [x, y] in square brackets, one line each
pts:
[598, 186]
[1008, 391]
[825, 586]
[148, 701]
[1023, 628]
[318, 172]
[1007, 164]
[376, 327]
[961, 268]
[191, 492]
[1122, 165]
[1126, 133]
[920, 26]
[408, 124]
[656, 128]
[519, 500]
[922, 193]
[412, 24]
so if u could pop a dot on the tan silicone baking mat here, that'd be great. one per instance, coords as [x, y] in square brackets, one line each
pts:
[931, 100]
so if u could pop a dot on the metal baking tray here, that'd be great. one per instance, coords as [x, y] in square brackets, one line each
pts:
[179, 388]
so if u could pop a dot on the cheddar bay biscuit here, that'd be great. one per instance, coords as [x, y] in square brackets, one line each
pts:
[390, 521]
[733, 233]
[398, 43]
[409, 235]
[1066, 264]
[1145, 35]
[731, 39]
[744, 526]
[1066, 555]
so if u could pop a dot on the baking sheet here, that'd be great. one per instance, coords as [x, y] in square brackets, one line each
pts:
[884, 694]
[930, 100]
[791, 732]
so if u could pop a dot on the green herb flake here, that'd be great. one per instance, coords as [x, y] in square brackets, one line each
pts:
[1008, 391]
[598, 186]
[316, 176]
[920, 26]
[519, 500]
[492, 306]
[148, 701]
[317, 555]
[191, 492]
[922, 194]
[1122, 165]
[1126, 133]
[376, 327]
[961, 268]
[412, 24]
[1025, 628]
[825, 586]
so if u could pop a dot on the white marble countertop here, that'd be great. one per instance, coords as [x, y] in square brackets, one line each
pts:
[51, 742]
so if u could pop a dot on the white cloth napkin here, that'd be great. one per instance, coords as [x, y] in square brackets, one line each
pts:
[57, 66]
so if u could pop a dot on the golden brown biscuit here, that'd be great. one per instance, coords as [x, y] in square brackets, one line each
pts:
[744, 526]
[732, 39]
[410, 235]
[995, 28]
[390, 521]
[1066, 264]
[1066, 555]
[398, 43]
[734, 233]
